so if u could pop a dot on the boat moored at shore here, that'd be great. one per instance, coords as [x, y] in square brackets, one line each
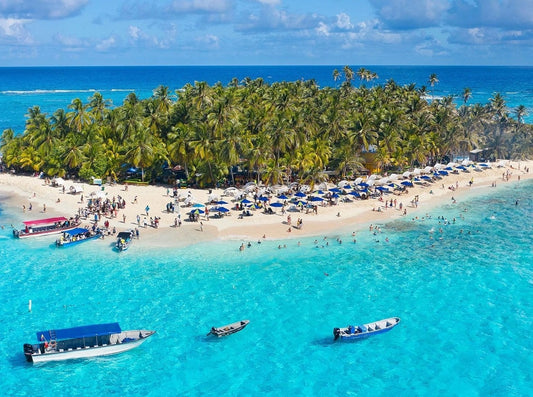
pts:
[76, 236]
[45, 227]
[124, 240]
[83, 342]
[352, 332]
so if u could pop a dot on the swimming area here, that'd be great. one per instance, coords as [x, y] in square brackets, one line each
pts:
[462, 288]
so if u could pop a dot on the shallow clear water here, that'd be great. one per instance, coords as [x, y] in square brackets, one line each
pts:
[464, 296]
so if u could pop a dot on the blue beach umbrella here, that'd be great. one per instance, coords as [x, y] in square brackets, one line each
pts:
[319, 192]
[315, 198]
[221, 202]
[300, 194]
[263, 198]
[427, 178]
[197, 211]
[335, 190]
[354, 193]
[407, 183]
[198, 205]
[363, 184]
[222, 209]
[301, 203]
[276, 204]
[283, 197]
[335, 195]
[246, 201]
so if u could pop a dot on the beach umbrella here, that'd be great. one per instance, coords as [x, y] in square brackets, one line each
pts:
[283, 197]
[355, 193]
[246, 201]
[301, 203]
[382, 189]
[263, 198]
[221, 202]
[198, 205]
[197, 211]
[300, 194]
[443, 172]
[316, 198]
[426, 177]
[222, 209]
[276, 204]
[335, 190]
[407, 183]
[335, 195]
[363, 184]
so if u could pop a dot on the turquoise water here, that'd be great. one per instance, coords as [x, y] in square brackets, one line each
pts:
[464, 295]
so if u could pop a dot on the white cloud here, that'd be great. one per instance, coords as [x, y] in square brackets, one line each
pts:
[14, 29]
[208, 41]
[322, 29]
[41, 9]
[269, 2]
[106, 44]
[343, 21]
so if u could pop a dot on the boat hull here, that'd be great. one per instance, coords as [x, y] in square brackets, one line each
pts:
[89, 351]
[229, 329]
[370, 329]
[60, 243]
[21, 234]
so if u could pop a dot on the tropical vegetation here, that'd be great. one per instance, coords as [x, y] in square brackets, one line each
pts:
[274, 132]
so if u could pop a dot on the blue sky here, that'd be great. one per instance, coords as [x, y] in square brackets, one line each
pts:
[266, 32]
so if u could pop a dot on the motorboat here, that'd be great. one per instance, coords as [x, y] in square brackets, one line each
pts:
[229, 329]
[83, 342]
[45, 227]
[124, 240]
[76, 236]
[353, 332]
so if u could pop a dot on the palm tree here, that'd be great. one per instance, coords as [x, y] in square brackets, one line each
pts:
[79, 117]
[467, 94]
[348, 75]
[433, 79]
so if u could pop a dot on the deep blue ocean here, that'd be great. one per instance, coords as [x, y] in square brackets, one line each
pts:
[465, 295]
[55, 87]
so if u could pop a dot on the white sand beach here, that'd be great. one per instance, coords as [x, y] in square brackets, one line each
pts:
[19, 193]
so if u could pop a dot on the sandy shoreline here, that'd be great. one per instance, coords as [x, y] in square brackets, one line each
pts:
[18, 191]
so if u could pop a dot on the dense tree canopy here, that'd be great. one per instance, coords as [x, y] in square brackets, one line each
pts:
[277, 131]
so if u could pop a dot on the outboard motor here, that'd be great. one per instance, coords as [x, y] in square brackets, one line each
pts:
[28, 351]
[336, 333]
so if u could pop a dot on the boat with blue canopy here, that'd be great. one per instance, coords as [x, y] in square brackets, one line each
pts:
[76, 236]
[83, 342]
[354, 332]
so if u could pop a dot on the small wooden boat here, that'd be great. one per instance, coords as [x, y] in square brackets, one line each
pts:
[83, 342]
[77, 236]
[229, 329]
[124, 240]
[352, 332]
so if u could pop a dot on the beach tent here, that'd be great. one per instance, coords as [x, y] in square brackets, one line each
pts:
[58, 181]
[76, 189]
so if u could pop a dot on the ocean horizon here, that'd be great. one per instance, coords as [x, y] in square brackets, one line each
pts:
[52, 88]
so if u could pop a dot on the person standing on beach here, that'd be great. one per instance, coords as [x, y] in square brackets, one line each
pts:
[147, 209]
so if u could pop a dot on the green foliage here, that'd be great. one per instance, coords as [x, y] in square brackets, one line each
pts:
[274, 131]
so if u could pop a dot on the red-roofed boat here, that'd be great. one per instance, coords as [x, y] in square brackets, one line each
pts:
[45, 227]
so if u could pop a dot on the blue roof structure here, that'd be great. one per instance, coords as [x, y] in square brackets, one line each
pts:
[76, 231]
[80, 332]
